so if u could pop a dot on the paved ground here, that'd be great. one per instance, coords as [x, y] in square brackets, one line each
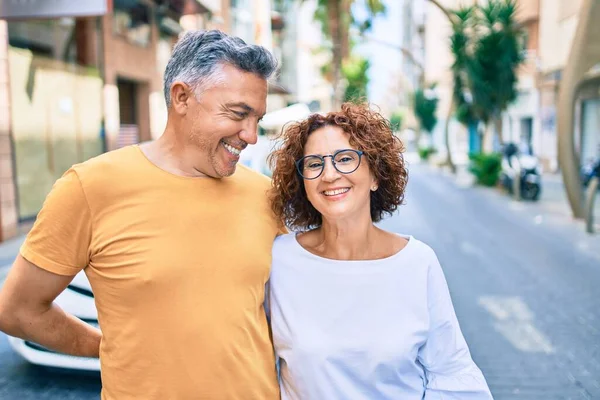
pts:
[524, 282]
[523, 278]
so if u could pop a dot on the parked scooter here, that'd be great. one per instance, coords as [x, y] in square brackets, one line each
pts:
[590, 170]
[524, 166]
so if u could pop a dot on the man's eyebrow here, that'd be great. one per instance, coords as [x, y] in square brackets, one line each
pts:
[242, 105]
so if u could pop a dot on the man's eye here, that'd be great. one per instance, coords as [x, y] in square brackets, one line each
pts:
[240, 114]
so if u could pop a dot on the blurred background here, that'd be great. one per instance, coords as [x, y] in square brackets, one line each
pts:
[496, 101]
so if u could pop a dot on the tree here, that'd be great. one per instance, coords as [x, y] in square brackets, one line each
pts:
[355, 71]
[396, 121]
[425, 106]
[336, 18]
[497, 55]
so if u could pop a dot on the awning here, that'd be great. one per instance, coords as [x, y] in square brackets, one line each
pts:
[277, 119]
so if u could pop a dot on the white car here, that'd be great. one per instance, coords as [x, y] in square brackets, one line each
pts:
[77, 300]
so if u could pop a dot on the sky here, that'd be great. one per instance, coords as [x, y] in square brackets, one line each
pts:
[385, 61]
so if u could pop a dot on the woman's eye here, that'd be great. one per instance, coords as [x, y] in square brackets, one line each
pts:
[314, 165]
[345, 159]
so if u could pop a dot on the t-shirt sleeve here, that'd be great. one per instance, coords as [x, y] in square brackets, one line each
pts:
[449, 369]
[59, 241]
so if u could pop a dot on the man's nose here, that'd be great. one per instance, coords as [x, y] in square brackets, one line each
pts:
[249, 133]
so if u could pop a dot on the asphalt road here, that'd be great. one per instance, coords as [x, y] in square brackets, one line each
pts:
[524, 285]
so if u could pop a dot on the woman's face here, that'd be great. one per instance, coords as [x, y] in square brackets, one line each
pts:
[334, 194]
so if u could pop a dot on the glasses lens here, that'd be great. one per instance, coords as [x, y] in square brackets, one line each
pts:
[311, 167]
[347, 161]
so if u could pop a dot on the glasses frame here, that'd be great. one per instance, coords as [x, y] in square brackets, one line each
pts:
[332, 156]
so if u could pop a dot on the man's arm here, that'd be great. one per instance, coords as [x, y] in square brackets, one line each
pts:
[27, 311]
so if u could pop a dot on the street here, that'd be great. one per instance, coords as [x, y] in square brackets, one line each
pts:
[523, 285]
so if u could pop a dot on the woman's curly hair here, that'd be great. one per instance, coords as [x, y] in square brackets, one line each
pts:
[370, 132]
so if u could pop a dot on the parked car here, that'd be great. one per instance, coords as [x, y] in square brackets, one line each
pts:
[78, 300]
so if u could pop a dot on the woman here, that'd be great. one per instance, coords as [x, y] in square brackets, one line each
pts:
[357, 312]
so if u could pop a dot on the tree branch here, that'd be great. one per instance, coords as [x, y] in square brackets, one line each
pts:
[442, 9]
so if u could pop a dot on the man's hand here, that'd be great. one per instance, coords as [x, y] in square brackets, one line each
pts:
[27, 311]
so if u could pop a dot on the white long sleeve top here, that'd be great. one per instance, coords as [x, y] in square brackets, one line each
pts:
[374, 330]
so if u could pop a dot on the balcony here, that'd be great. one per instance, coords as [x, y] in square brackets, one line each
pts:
[213, 6]
[528, 11]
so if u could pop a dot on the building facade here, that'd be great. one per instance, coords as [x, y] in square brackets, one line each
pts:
[522, 120]
[74, 86]
[558, 23]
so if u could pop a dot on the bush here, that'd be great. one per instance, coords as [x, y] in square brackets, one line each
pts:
[396, 121]
[486, 167]
[426, 152]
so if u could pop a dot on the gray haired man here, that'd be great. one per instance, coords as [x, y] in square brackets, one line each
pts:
[175, 239]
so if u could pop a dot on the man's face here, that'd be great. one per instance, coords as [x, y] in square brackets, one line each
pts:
[223, 119]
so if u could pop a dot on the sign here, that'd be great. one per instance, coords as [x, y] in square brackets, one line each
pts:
[20, 9]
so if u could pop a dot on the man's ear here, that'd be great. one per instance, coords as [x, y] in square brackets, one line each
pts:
[180, 95]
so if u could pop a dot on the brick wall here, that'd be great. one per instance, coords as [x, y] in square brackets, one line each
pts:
[128, 61]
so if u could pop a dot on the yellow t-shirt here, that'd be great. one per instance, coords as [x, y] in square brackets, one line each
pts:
[178, 268]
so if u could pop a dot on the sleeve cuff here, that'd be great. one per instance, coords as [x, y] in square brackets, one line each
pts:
[46, 264]
[469, 383]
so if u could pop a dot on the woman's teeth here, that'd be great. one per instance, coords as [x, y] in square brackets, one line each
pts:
[335, 192]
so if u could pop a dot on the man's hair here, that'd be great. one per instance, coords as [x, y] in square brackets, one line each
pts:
[198, 57]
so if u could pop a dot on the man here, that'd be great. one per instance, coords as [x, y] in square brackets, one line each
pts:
[174, 239]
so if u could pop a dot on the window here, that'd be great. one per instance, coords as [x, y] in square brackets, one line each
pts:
[131, 20]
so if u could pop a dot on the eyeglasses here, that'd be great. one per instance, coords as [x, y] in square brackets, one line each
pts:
[345, 161]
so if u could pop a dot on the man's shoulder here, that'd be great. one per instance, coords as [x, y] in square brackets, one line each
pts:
[106, 164]
[114, 158]
[252, 178]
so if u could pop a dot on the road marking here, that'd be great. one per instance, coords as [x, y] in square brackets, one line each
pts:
[515, 321]
[469, 248]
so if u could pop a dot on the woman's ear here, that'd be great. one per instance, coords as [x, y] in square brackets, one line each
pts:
[374, 184]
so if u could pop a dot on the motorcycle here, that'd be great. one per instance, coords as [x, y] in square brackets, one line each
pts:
[589, 170]
[527, 168]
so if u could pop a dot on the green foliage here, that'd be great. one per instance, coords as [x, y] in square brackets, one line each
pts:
[426, 152]
[374, 8]
[355, 71]
[486, 167]
[487, 52]
[396, 121]
[331, 13]
[425, 107]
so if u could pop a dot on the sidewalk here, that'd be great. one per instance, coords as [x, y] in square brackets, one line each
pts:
[553, 204]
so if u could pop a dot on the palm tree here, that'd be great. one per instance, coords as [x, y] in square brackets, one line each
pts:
[497, 56]
[485, 45]
[336, 18]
